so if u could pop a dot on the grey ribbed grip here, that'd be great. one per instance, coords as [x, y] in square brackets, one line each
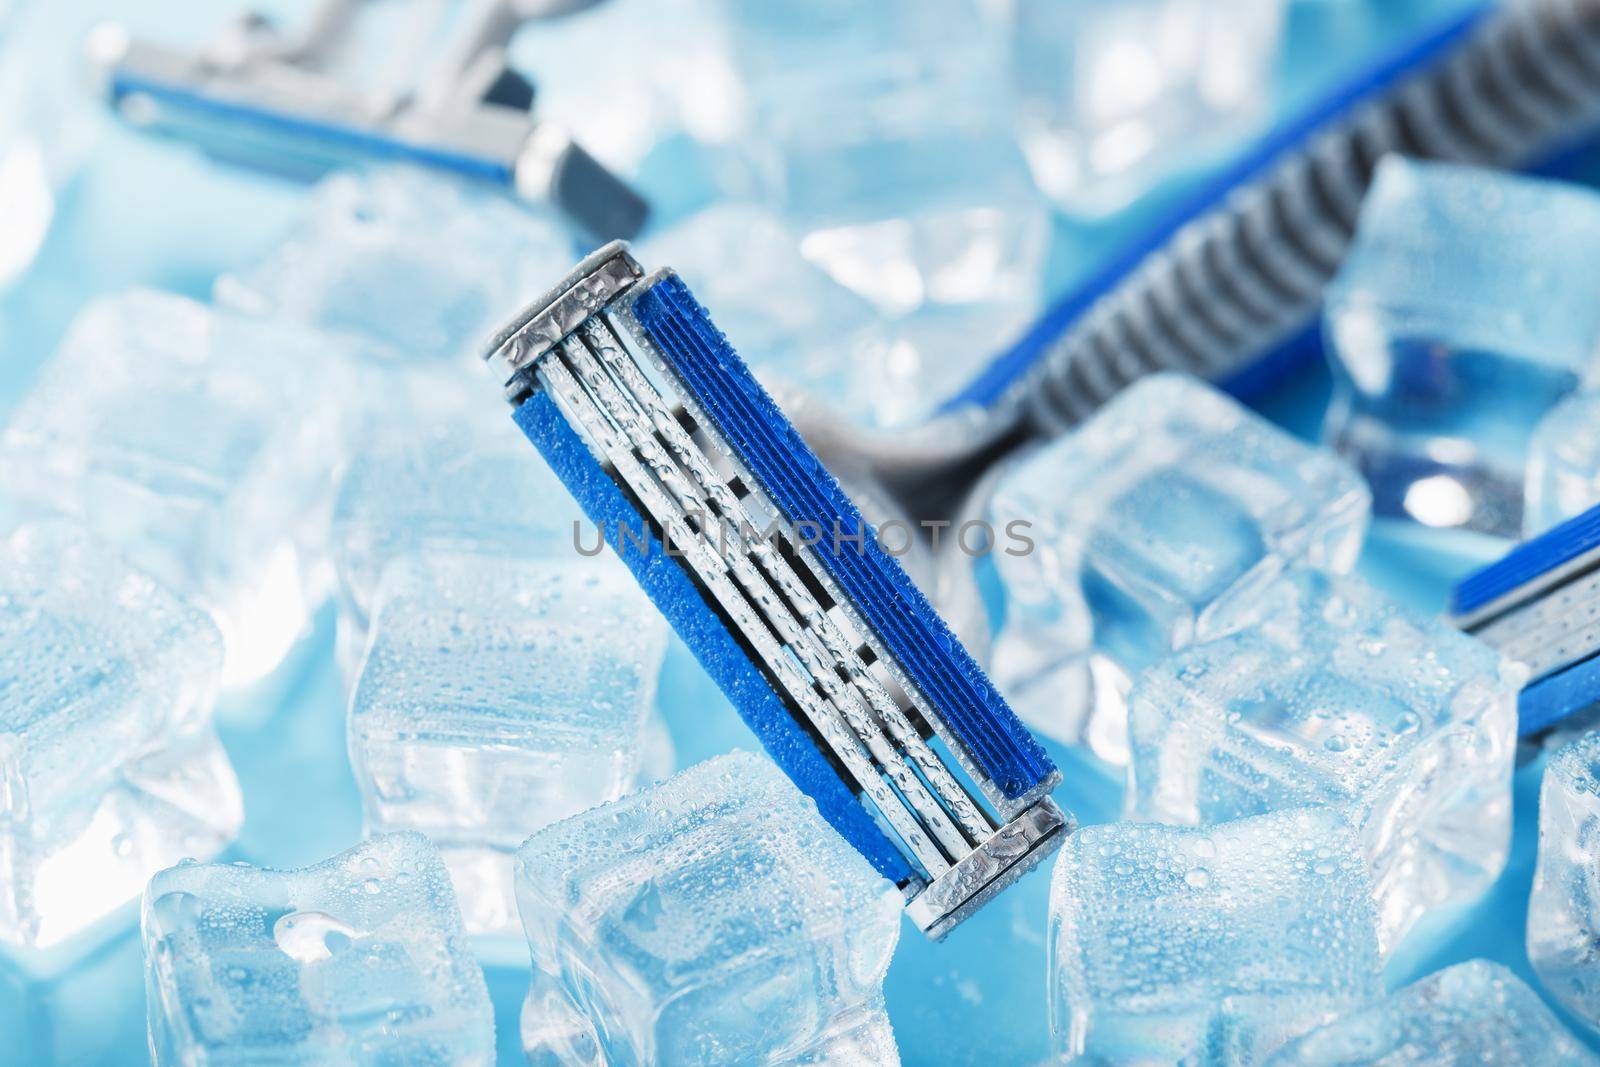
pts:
[1248, 274]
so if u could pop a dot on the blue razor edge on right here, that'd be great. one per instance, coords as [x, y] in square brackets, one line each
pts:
[840, 665]
[1540, 605]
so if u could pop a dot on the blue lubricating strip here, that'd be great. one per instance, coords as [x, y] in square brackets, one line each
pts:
[666, 582]
[1549, 700]
[876, 585]
[351, 140]
[1527, 561]
[1292, 134]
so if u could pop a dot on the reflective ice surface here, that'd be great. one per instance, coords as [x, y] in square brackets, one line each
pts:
[109, 767]
[358, 960]
[1208, 946]
[1340, 697]
[1564, 911]
[424, 264]
[437, 465]
[889, 148]
[200, 444]
[497, 696]
[714, 918]
[1474, 1013]
[1563, 477]
[1169, 502]
[1461, 314]
[1113, 97]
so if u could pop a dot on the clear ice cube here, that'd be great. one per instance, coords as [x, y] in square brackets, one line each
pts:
[714, 918]
[200, 444]
[109, 767]
[1146, 521]
[1208, 946]
[1474, 1013]
[437, 466]
[1564, 910]
[1338, 696]
[882, 136]
[1563, 476]
[497, 696]
[1112, 98]
[419, 262]
[1461, 314]
[359, 959]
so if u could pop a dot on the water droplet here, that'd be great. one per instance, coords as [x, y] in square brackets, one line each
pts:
[309, 936]
[1198, 877]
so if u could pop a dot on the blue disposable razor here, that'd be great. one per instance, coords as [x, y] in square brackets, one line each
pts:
[771, 576]
[437, 93]
[1540, 605]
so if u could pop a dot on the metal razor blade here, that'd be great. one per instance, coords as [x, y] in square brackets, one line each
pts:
[854, 685]
[434, 89]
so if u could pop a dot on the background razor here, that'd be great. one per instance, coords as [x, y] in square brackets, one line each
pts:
[1540, 605]
[426, 84]
[834, 658]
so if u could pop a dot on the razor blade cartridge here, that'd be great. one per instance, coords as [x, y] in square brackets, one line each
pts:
[1540, 605]
[768, 572]
[432, 89]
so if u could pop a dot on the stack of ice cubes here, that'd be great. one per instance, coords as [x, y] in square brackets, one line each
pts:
[1112, 98]
[1173, 945]
[1563, 478]
[881, 135]
[499, 695]
[714, 918]
[416, 262]
[1149, 522]
[1333, 695]
[1461, 314]
[1471, 1014]
[201, 445]
[360, 959]
[109, 767]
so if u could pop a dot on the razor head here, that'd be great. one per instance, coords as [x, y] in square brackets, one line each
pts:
[1540, 606]
[768, 572]
[443, 98]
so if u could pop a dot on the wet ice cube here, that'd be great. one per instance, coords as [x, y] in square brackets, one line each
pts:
[359, 959]
[1112, 98]
[1459, 317]
[1145, 521]
[714, 918]
[1564, 910]
[201, 445]
[420, 262]
[1208, 946]
[1476, 1012]
[1340, 697]
[1563, 477]
[109, 767]
[497, 696]
[437, 466]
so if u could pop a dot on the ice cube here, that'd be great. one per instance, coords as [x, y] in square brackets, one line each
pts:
[882, 136]
[201, 444]
[437, 465]
[714, 918]
[1563, 477]
[1340, 697]
[1113, 98]
[109, 767]
[1564, 910]
[1476, 1012]
[1208, 946]
[359, 959]
[417, 261]
[1144, 522]
[1460, 316]
[497, 696]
